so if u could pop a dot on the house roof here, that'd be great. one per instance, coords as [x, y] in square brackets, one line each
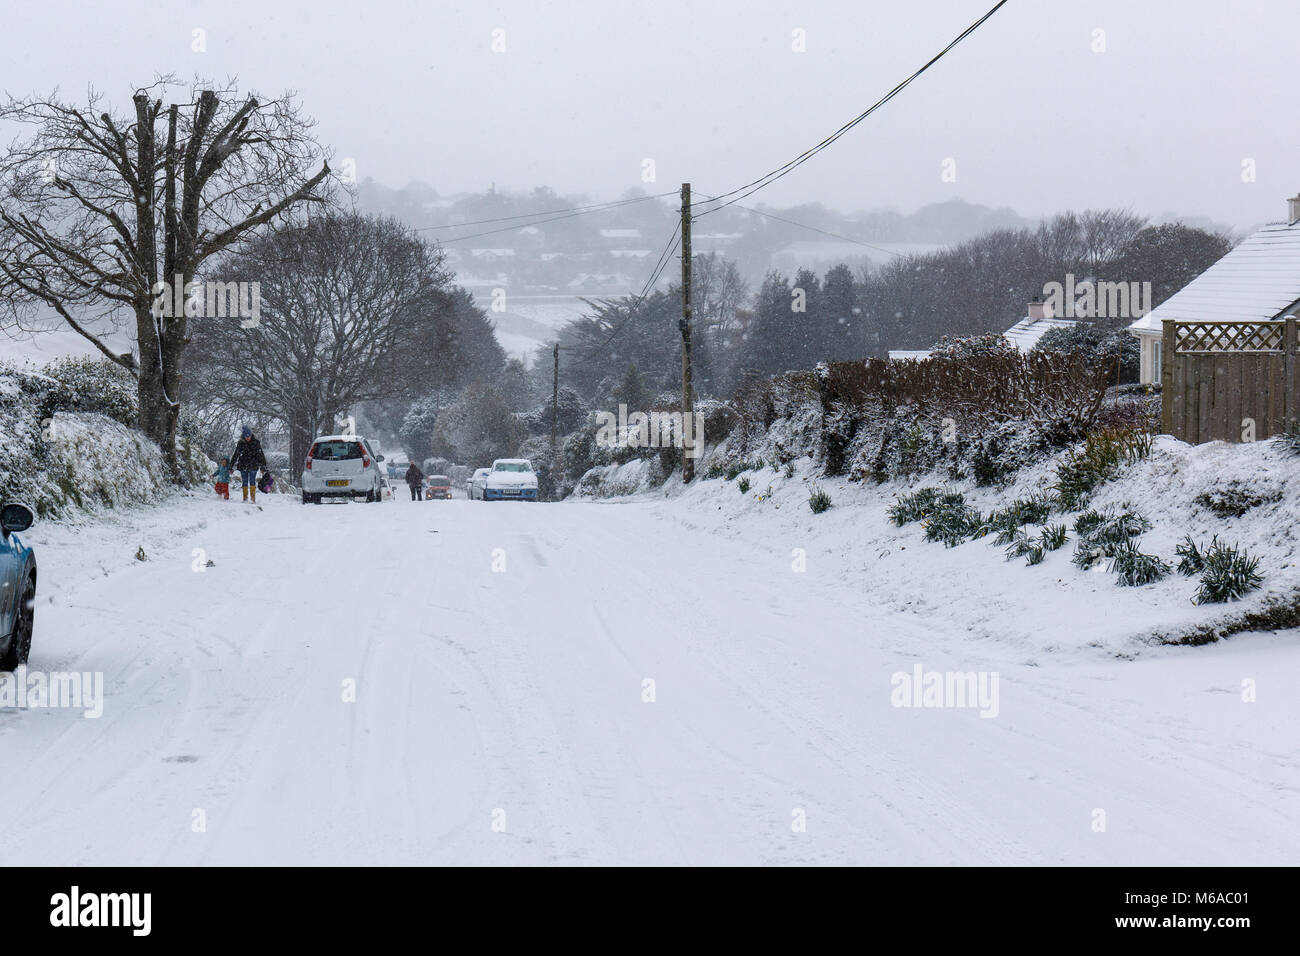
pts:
[1025, 334]
[1257, 280]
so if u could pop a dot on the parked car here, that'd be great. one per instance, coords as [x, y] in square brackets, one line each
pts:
[341, 466]
[476, 483]
[17, 587]
[396, 467]
[437, 486]
[511, 479]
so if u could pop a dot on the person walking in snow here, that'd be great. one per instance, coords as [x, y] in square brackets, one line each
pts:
[248, 457]
[415, 479]
[223, 479]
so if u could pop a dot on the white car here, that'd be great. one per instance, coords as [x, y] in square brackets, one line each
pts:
[341, 466]
[511, 479]
[476, 483]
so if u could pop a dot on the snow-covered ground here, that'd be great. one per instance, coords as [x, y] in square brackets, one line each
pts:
[502, 656]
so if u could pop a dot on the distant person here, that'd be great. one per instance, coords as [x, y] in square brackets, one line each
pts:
[415, 479]
[223, 479]
[247, 459]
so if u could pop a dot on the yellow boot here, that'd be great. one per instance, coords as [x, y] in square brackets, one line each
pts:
[245, 492]
[252, 494]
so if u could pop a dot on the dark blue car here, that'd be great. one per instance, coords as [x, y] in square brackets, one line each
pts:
[17, 587]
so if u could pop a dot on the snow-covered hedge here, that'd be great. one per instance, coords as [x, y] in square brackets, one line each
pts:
[61, 452]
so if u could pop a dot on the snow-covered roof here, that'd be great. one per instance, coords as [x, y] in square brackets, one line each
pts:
[1025, 334]
[918, 354]
[1255, 281]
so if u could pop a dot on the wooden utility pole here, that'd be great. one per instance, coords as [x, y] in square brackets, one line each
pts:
[555, 400]
[688, 403]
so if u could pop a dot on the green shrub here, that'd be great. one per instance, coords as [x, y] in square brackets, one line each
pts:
[952, 521]
[1005, 535]
[1105, 535]
[743, 485]
[818, 500]
[1191, 559]
[1053, 537]
[913, 507]
[1022, 511]
[1019, 547]
[1235, 498]
[1134, 568]
[1227, 575]
[1099, 460]
[1088, 521]
[1288, 442]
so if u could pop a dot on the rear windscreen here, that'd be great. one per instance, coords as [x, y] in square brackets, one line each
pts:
[336, 450]
[439, 480]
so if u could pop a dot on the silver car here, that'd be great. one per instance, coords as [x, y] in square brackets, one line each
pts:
[341, 466]
[477, 482]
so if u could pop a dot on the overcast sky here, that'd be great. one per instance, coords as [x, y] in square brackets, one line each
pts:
[1184, 93]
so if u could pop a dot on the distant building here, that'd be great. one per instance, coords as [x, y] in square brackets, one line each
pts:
[1259, 280]
[492, 255]
[1025, 334]
[918, 355]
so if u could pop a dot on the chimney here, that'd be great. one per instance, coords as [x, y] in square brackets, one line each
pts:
[1038, 309]
[1293, 210]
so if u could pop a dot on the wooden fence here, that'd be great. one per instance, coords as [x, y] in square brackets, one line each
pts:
[1229, 381]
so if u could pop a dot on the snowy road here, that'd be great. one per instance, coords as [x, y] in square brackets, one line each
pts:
[500, 655]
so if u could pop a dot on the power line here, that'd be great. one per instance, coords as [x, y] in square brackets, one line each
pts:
[768, 178]
[662, 263]
[804, 225]
[576, 210]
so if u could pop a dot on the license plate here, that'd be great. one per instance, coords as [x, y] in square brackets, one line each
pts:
[337, 483]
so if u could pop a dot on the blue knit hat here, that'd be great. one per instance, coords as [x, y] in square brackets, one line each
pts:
[246, 432]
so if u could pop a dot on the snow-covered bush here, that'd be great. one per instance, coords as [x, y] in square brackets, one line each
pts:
[1227, 574]
[913, 507]
[631, 478]
[1234, 498]
[818, 500]
[97, 385]
[1100, 346]
[952, 521]
[1099, 459]
[1133, 568]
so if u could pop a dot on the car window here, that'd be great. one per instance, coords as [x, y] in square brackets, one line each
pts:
[512, 466]
[336, 450]
[439, 480]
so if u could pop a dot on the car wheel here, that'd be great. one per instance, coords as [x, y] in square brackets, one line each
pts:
[20, 638]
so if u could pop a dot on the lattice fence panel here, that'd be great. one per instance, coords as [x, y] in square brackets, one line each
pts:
[1230, 336]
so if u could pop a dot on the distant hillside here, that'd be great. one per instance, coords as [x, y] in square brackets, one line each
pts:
[612, 251]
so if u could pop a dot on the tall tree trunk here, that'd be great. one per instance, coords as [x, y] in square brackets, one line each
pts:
[301, 433]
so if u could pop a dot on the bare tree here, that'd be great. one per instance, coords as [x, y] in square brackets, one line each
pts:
[98, 211]
[338, 296]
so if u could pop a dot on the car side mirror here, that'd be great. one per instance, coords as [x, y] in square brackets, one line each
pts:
[379, 458]
[16, 518]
